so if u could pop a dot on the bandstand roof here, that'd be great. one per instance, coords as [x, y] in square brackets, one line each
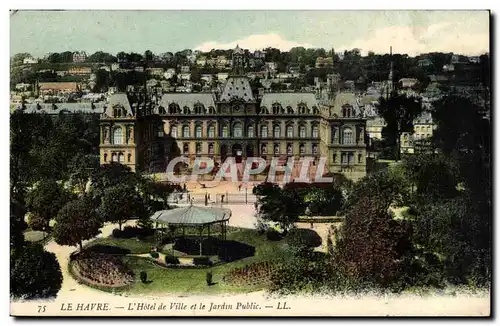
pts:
[192, 215]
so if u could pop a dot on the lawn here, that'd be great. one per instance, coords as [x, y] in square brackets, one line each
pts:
[192, 280]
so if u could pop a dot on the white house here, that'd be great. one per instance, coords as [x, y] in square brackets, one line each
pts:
[169, 73]
[30, 60]
[185, 76]
[222, 76]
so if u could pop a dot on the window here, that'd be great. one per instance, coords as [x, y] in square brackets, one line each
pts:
[360, 158]
[161, 110]
[303, 109]
[289, 149]
[334, 157]
[185, 131]
[276, 108]
[302, 149]
[198, 109]
[114, 157]
[250, 131]
[343, 158]
[263, 149]
[121, 158]
[198, 148]
[315, 110]
[105, 157]
[211, 131]
[289, 131]
[237, 131]
[173, 108]
[211, 149]
[185, 148]
[277, 131]
[302, 131]
[347, 136]
[264, 110]
[198, 131]
[118, 136]
[264, 132]
[351, 158]
[225, 131]
[173, 131]
[289, 110]
[129, 157]
[276, 149]
[315, 149]
[315, 131]
[186, 110]
[211, 110]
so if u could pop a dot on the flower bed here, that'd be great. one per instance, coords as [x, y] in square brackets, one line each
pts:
[102, 270]
[251, 275]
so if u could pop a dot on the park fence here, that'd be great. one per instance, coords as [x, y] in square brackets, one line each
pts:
[210, 198]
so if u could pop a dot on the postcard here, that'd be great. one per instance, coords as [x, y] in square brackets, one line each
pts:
[250, 163]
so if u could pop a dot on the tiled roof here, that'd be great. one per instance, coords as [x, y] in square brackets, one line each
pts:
[189, 100]
[237, 87]
[289, 99]
[59, 86]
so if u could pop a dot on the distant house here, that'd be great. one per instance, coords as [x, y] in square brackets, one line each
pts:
[22, 87]
[449, 67]
[271, 66]
[293, 68]
[139, 69]
[207, 78]
[201, 61]
[456, 58]
[79, 56]
[30, 60]
[222, 62]
[156, 71]
[79, 71]
[185, 69]
[185, 76]
[407, 82]
[170, 73]
[259, 54]
[191, 58]
[322, 62]
[222, 76]
[58, 87]
[115, 66]
[474, 59]
[424, 62]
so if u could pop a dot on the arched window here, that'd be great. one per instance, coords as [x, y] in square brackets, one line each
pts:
[289, 131]
[303, 109]
[302, 149]
[315, 131]
[264, 110]
[198, 131]
[211, 110]
[250, 131]
[211, 149]
[289, 149]
[277, 132]
[289, 110]
[315, 110]
[211, 131]
[198, 148]
[161, 110]
[173, 131]
[105, 157]
[276, 149]
[276, 108]
[185, 131]
[315, 149]
[185, 148]
[186, 110]
[263, 132]
[129, 157]
[114, 157]
[121, 158]
[360, 158]
[347, 136]
[302, 131]
[225, 131]
[263, 149]
[237, 130]
[118, 136]
[173, 109]
[198, 108]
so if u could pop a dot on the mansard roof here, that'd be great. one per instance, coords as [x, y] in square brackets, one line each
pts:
[289, 99]
[188, 99]
[119, 99]
[343, 99]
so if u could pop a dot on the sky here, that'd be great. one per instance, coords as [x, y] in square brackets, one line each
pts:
[410, 32]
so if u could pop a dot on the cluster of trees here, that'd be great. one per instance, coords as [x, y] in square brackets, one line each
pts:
[444, 235]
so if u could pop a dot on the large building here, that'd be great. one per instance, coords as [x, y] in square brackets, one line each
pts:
[145, 132]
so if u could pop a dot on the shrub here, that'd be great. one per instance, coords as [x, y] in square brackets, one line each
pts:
[304, 238]
[116, 233]
[273, 235]
[144, 276]
[154, 254]
[202, 261]
[209, 278]
[132, 232]
[171, 260]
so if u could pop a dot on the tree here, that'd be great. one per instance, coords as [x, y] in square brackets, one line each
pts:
[17, 224]
[398, 111]
[34, 274]
[109, 175]
[46, 199]
[77, 221]
[82, 167]
[120, 203]
[279, 206]
[101, 57]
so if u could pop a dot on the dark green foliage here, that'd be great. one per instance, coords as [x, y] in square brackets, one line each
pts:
[17, 224]
[143, 276]
[154, 254]
[303, 238]
[120, 203]
[202, 261]
[45, 201]
[171, 260]
[208, 278]
[34, 274]
[77, 221]
[131, 232]
[273, 235]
